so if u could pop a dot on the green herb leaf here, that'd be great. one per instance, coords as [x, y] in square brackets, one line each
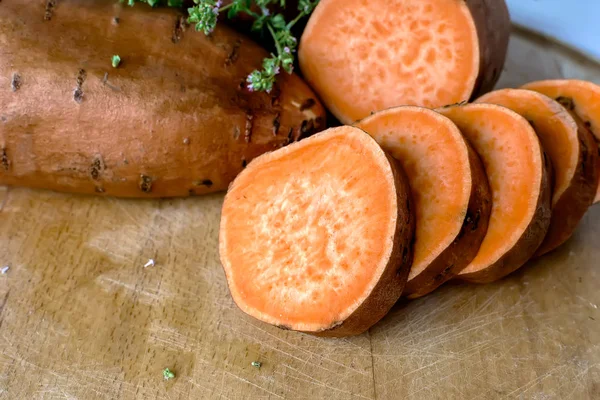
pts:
[167, 374]
[115, 61]
[205, 13]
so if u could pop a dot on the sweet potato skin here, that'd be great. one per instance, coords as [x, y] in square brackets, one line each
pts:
[172, 120]
[466, 245]
[493, 31]
[391, 284]
[579, 196]
[531, 239]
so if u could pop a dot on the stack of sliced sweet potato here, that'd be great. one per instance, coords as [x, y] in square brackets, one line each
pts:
[319, 237]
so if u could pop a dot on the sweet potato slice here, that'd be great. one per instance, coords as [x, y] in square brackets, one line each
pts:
[316, 237]
[572, 153]
[581, 98]
[171, 120]
[449, 187]
[364, 56]
[515, 165]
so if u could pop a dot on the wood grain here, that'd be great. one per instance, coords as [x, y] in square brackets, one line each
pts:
[81, 318]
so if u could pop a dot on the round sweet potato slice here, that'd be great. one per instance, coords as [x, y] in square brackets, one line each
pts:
[451, 195]
[581, 98]
[364, 56]
[316, 236]
[572, 152]
[515, 165]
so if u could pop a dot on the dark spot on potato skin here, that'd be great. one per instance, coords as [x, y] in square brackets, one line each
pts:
[308, 103]
[442, 275]
[233, 54]
[78, 91]
[49, 9]
[205, 182]
[178, 29]
[284, 327]
[15, 83]
[276, 124]
[244, 163]
[4, 159]
[145, 183]
[96, 168]
[249, 127]
[566, 102]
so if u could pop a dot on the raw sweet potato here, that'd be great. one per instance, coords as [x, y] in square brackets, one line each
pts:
[364, 56]
[316, 237]
[579, 97]
[572, 153]
[517, 173]
[173, 119]
[449, 187]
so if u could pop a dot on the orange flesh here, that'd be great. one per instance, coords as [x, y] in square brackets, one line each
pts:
[586, 101]
[363, 56]
[307, 230]
[434, 156]
[510, 152]
[555, 127]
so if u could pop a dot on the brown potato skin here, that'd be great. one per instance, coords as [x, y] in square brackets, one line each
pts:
[579, 196]
[466, 245]
[531, 239]
[492, 20]
[174, 119]
[391, 283]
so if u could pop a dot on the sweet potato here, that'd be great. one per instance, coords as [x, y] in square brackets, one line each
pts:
[572, 153]
[516, 167]
[365, 56]
[579, 97]
[316, 237]
[449, 187]
[174, 118]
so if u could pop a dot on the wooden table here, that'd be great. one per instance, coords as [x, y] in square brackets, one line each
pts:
[81, 318]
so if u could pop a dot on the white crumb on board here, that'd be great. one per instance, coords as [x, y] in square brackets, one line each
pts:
[150, 263]
[4, 269]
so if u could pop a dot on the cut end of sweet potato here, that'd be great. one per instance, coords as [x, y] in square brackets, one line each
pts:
[449, 188]
[365, 56]
[581, 98]
[572, 154]
[514, 163]
[316, 236]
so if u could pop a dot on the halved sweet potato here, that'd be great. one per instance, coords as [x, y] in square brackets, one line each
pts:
[515, 165]
[317, 236]
[572, 152]
[449, 187]
[364, 56]
[581, 98]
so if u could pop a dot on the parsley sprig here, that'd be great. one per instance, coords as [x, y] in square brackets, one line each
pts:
[205, 14]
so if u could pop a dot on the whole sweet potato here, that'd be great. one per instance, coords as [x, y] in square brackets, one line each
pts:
[172, 119]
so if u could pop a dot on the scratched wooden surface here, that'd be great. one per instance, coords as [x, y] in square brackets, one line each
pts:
[80, 318]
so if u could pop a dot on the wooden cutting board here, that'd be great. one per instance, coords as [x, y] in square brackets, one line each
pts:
[81, 318]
